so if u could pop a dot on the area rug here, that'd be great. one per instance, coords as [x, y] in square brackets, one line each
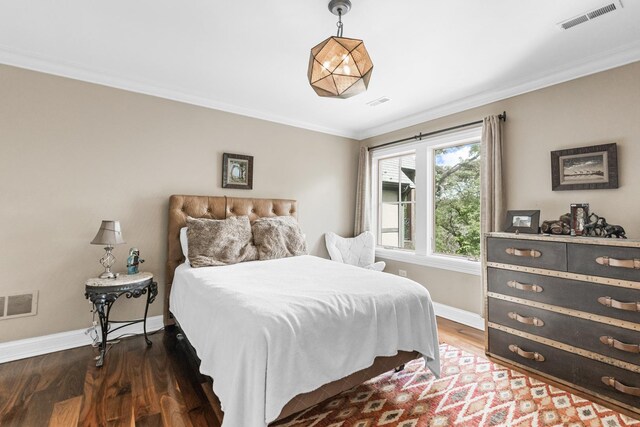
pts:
[471, 392]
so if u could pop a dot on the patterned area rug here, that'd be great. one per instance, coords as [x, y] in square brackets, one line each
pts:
[472, 392]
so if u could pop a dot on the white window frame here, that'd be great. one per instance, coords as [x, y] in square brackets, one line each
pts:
[425, 203]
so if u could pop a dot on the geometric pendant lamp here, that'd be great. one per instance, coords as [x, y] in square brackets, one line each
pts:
[339, 67]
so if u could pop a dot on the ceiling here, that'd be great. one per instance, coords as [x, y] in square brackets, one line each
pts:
[250, 57]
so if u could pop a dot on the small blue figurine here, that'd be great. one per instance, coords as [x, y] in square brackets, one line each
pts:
[133, 261]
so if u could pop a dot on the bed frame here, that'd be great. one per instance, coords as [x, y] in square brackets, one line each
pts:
[222, 207]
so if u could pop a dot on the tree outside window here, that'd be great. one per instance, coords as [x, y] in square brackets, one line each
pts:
[457, 200]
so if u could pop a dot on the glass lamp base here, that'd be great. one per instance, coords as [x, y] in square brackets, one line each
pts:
[107, 261]
[108, 275]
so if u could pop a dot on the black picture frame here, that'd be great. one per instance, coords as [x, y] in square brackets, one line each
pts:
[237, 171]
[579, 218]
[585, 168]
[522, 222]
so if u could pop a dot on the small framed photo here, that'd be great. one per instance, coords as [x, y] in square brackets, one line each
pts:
[237, 171]
[585, 168]
[579, 218]
[522, 222]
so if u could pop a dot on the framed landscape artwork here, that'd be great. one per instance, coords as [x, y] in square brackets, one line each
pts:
[585, 168]
[237, 171]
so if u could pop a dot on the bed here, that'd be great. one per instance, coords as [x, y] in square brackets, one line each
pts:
[258, 327]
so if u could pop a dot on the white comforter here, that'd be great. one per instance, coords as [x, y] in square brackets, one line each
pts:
[267, 331]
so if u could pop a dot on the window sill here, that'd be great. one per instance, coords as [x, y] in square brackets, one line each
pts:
[434, 261]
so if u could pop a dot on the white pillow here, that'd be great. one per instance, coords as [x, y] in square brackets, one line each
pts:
[184, 242]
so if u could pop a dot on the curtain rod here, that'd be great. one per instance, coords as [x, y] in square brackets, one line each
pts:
[421, 135]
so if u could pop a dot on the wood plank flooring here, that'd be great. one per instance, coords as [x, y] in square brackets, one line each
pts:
[138, 385]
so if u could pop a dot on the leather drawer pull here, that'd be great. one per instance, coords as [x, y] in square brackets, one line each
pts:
[532, 355]
[524, 252]
[524, 287]
[614, 343]
[526, 320]
[611, 382]
[626, 306]
[622, 263]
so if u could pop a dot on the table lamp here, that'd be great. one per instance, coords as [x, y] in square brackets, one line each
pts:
[109, 235]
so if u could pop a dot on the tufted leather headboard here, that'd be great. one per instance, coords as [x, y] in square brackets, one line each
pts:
[213, 207]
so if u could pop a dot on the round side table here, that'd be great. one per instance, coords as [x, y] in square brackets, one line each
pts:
[104, 292]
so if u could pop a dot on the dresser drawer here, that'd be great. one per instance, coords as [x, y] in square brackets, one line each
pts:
[605, 339]
[529, 253]
[581, 371]
[623, 263]
[574, 294]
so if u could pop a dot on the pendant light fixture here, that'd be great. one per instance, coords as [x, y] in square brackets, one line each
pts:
[339, 67]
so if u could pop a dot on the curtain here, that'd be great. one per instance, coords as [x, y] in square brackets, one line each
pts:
[363, 195]
[491, 188]
[492, 195]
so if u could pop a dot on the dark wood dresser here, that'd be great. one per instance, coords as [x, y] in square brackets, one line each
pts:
[567, 308]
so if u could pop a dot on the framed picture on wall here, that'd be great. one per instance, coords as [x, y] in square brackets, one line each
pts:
[237, 171]
[585, 168]
[522, 222]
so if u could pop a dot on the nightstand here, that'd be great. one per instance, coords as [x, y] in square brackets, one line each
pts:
[104, 292]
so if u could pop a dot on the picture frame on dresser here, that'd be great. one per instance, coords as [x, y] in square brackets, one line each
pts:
[585, 168]
[521, 221]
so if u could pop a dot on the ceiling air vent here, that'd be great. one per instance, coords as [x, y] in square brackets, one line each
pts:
[573, 22]
[592, 14]
[378, 101]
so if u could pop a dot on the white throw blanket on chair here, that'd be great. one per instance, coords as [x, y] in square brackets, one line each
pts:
[358, 251]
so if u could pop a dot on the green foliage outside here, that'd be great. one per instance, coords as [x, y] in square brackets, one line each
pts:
[457, 201]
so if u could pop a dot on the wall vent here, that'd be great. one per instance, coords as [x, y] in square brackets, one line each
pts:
[592, 14]
[378, 101]
[19, 305]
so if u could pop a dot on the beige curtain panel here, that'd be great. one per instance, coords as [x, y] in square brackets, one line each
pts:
[491, 187]
[363, 196]
[492, 195]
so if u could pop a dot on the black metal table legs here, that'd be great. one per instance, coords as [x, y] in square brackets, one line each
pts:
[102, 302]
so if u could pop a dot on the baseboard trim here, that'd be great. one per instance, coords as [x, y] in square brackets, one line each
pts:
[458, 315]
[36, 346]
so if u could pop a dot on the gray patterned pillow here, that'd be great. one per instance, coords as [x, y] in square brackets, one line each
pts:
[215, 242]
[278, 237]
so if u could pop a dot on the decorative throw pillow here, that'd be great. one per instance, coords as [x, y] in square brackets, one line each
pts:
[278, 237]
[220, 242]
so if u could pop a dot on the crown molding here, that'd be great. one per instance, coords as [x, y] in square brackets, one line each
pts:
[618, 57]
[40, 63]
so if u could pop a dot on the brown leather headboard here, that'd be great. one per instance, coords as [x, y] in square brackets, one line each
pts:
[213, 207]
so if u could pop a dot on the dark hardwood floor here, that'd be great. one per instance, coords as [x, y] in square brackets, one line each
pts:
[138, 385]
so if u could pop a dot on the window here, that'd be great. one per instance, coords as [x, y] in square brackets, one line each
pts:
[427, 201]
[397, 201]
[457, 200]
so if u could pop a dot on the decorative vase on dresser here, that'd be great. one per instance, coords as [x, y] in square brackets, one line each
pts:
[567, 308]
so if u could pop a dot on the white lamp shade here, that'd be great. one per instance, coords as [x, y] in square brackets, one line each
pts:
[109, 234]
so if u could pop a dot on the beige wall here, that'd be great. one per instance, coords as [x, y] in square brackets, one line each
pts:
[596, 109]
[73, 153]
